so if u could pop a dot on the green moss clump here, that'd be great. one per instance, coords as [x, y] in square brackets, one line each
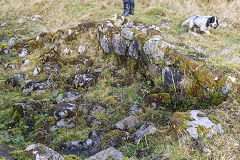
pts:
[160, 99]
[202, 130]
[71, 157]
[178, 123]
[114, 138]
[21, 155]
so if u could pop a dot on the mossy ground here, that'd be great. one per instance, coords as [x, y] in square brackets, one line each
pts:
[110, 89]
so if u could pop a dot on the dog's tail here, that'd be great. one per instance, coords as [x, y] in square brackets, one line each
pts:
[185, 23]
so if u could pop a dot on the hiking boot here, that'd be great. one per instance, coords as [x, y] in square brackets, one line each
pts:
[131, 8]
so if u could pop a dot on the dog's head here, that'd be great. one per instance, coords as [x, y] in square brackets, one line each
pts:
[213, 21]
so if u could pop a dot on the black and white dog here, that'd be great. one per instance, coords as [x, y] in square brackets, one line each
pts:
[204, 23]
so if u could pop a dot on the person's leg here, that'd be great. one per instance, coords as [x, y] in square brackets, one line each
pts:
[126, 8]
[132, 5]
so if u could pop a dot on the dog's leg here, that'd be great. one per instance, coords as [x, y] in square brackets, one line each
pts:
[204, 29]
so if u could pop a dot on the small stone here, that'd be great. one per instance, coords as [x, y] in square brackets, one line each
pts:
[23, 53]
[67, 51]
[53, 128]
[135, 109]
[20, 21]
[146, 129]
[36, 71]
[11, 42]
[25, 62]
[70, 31]
[3, 24]
[36, 17]
[82, 49]
[98, 70]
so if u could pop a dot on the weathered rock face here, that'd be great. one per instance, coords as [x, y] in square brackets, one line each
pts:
[41, 152]
[119, 44]
[106, 154]
[195, 123]
[172, 76]
[15, 79]
[166, 64]
[127, 123]
[29, 109]
[87, 147]
[41, 86]
[65, 114]
[84, 80]
[146, 129]
[68, 97]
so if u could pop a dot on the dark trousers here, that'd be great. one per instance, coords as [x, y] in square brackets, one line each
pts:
[131, 5]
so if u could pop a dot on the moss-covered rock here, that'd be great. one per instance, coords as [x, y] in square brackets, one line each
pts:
[158, 100]
[114, 138]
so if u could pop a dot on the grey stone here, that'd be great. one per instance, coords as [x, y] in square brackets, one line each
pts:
[117, 20]
[98, 70]
[228, 85]
[127, 33]
[82, 80]
[11, 42]
[127, 123]
[134, 48]
[3, 24]
[203, 121]
[198, 49]
[36, 71]
[25, 62]
[20, 76]
[68, 97]
[53, 128]
[146, 129]
[105, 44]
[65, 110]
[41, 152]
[135, 109]
[20, 21]
[87, 147]
[36, 17]
[119, 44]
[153, 49]
[171, 76]
[106, 154]
[82, 49]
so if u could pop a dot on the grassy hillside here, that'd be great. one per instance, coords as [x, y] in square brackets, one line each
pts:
[118, 85]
